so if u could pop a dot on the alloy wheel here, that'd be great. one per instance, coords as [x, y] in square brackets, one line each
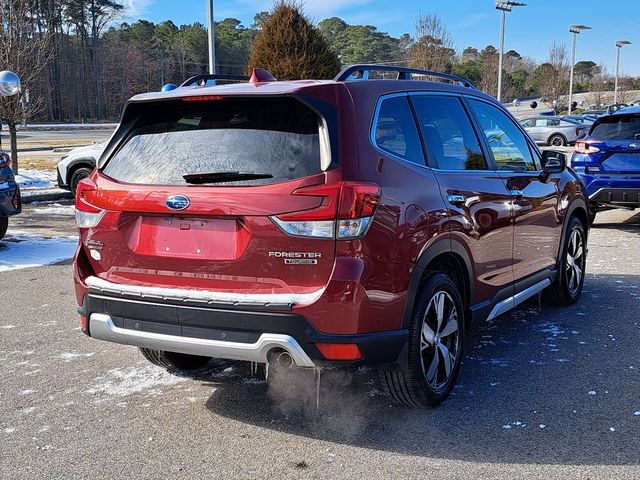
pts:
[440, 340]
[575, 262]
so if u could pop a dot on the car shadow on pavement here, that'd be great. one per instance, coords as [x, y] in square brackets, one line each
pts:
[539, 385]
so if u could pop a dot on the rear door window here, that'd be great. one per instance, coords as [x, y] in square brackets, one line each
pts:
[448, 135]
[277, 139]
[617, 127]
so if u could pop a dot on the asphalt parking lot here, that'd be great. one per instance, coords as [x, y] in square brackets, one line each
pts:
[544, 393]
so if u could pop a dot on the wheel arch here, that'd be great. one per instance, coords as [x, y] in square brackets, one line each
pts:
[579, 209]
[77, 164]
[444, 255]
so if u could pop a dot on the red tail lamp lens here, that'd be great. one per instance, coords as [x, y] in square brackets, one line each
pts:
[340, 351]
[203, 98]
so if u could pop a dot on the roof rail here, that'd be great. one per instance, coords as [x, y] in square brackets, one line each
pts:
[201, 80]
[404, 73]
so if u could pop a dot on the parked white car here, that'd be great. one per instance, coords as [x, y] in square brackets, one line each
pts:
[78, 164]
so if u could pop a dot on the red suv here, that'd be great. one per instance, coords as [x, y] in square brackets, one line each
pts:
[359, 221]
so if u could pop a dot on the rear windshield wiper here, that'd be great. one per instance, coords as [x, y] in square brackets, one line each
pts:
[219, 177]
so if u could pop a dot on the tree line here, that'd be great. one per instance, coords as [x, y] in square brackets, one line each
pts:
[88, 64]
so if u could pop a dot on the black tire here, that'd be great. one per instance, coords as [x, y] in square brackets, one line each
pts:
[174, 361]
[592, 216]
[79, 174]
[411, 387]
[566, 288]
[4, 224]
[557, 140]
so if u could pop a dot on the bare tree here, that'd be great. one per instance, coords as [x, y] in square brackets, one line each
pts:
[24, 51]
[599, 87]
[555, 79]
[433, 47]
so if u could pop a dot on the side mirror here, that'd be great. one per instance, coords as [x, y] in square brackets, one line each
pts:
[552, 163]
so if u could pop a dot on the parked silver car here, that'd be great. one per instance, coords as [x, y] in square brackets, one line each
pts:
[554, 131]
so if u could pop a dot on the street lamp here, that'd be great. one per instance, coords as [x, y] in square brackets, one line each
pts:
[575, 30]
[504, 7]
[619, 45]
[212, 38]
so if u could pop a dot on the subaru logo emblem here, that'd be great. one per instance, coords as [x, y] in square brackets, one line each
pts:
[177, 202]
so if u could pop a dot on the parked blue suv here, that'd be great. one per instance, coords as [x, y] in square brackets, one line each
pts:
[10, 202]
[608, 159]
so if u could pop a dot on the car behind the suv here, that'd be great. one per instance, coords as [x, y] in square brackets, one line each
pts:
[10, 200]
[608, 160]
[323, 223]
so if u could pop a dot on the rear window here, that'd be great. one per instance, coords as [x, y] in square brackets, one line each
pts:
[617, 127]
[281, 138]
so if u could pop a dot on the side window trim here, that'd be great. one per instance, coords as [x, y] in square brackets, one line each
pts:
[431, 163]
[374, 125]
[533, 148]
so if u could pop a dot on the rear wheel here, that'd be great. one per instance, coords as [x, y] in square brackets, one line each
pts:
[436, 338]
[4, 224]
[557, 140]
[79, 174]
[174, 361]
[573, 261]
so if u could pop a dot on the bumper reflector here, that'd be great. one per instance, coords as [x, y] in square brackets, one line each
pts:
[84, 324]
[339, 351]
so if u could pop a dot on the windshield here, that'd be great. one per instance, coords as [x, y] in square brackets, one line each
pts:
[617, 127]
[172, 143]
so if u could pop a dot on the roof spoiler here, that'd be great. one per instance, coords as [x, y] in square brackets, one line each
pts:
[201, 80]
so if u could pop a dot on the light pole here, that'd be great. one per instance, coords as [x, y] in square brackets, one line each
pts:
[504, 7]
[619, 45]
[212, 38]
[575, 30]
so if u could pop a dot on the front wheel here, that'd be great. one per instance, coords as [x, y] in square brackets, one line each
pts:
[436, 337]
[567, 287]
[174, 361]
[4, 224]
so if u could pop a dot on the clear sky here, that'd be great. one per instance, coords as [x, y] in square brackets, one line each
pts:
[530, 30]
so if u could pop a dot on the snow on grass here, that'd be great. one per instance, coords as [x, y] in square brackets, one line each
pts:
[121, 382]
[56, 209]
[22, 250]
[35, 179]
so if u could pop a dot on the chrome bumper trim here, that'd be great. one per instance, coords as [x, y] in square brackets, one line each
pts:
[203, 296]
[102, 327]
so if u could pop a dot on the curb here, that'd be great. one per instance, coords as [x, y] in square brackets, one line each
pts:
[46, 196]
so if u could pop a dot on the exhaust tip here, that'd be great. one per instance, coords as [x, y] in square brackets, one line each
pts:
[284, 360]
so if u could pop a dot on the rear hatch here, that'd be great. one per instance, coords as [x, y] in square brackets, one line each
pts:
[617, 137]
[202, 192]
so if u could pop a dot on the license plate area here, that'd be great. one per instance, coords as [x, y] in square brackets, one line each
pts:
[189, 238]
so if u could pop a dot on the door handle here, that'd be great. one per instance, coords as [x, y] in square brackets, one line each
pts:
[454, 199]
[517, 193]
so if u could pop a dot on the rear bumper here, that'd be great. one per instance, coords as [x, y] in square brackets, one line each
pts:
[616, 196]
[233, 332]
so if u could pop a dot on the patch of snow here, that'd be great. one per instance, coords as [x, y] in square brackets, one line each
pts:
[28, 410]
[592, 392]
[122, 382]
[36, 179]
[637, 414]
[7, 327]
[69, 356]
[22, 250]
[542, 425]
[56, 209]
[9, 430]
[27, 392]
[611, 429]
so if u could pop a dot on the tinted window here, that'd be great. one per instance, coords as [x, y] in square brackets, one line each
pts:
[279, 137]
[396, 132]
[508, 144]
[542, 122]
[529, 122]
[448, 135]
[617, 127]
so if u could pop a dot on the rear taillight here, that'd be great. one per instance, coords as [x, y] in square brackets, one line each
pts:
[16, 201]
[345, 212]
[87, 216]
[587, 147]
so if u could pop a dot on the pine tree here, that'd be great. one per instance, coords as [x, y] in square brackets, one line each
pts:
[291, 48]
